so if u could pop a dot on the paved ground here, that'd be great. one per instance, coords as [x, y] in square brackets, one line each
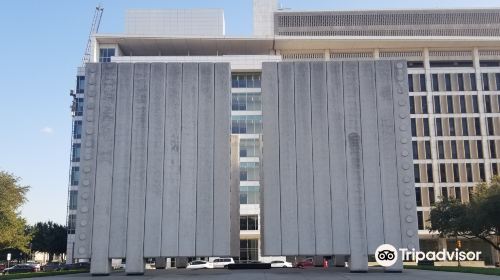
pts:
[283, 274]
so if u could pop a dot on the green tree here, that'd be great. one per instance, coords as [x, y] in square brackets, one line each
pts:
[50, 238]
[480, 218]
[12, 225]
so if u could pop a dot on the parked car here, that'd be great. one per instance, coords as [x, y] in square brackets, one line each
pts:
[77, 266]
[52, 266]
[19, 268]
[281, 264]
[222, 262]
[35, 264]
[199, 265]
[309, 262]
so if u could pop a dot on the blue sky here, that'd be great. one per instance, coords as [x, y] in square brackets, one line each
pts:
[42, 44]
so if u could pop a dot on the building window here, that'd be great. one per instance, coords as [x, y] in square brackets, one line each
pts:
[249, 171]
[487, 104]
[451, 122]
[473, 83]
[471, 192]
[418, 196]
[249, 195]
[493, 149]
[479, 149]
[105, 54]
[71, 223]
[246, 102]
[249, 148]
[250, 222]
[424, 105]
[415, 149]
[416, 172]
[468, 169]
[444, 192]
[75, 175]
[423, 83]
[420, 220]
[439, 127]
[486, 82]
[437, 105]
[77, 130]
[75, 153]
[412, 105]
[465, 127]
[73, 198]
[477, 125]
[78, 106]
[427, 149]
[458, 194]
[442, 170]
[461, 84]
[491, 128]
[246, 124]
[426, 126]
[447, 80]
[467, 149]
[494, 168]
[80, 84]
[413, 127]
[449, 101]
[440, 149]
[246, 80]
[249, 250]
[456, 173]
[410, 83]
[475, 106]
[463, 106]
[435, 82]
[481, 172]
[430, 177]
[432, 198]
[454, 151]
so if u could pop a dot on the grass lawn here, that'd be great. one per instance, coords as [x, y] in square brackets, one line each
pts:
[477, 270]
[39, 274]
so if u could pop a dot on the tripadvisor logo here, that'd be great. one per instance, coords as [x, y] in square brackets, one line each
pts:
[386, 255]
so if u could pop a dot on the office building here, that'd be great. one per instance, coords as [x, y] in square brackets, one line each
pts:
[453, 59]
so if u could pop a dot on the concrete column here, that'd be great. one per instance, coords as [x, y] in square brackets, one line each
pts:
[432, 126]
[482, 116]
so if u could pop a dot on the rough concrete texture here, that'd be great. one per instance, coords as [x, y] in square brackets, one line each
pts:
[341, 142]
[156, 165]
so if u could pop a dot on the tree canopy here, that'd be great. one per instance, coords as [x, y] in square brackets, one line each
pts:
[12, 226]
[480, 218]
[49, 237]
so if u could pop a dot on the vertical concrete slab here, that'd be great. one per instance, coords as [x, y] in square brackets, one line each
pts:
[189, 154]
[86, 187]
[354, 162]
[288, 161]
[222, 160]
[270, 165]
[154, 186]
[234, 242]
[387, 143]
[121, 161]
[172, 161]
[406, 180]
[321, 160]
[138, 170]
[373, 189]
[336, 138]
[303, 132]
[100, 261]
[205, 181]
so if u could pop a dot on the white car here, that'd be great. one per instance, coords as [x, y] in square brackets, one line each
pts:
[222, 262]
[199, 265]
[34, 264]
[281, 264]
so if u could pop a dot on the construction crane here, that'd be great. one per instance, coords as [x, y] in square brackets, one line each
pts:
[96, 22]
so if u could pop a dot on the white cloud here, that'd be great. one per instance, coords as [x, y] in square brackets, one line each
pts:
[47, 130]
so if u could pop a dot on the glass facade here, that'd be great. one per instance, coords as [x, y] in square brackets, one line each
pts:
[105, 54]
[250, 222]
[249, 249]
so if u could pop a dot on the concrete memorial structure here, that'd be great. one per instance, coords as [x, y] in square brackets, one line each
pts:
[160, 170]
[337, 160]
